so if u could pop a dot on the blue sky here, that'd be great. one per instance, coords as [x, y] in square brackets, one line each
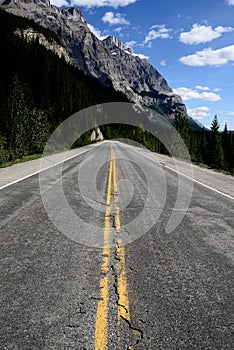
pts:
[190, 42]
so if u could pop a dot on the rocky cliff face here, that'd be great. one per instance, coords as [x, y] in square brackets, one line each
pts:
[30, 35]
[109, 60]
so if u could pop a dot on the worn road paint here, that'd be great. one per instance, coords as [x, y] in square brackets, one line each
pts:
[123, 301]
[122, 290]
[112, 209]
[101, 329]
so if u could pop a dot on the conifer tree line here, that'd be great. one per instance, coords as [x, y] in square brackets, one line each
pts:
[214, 147]
[38, 90]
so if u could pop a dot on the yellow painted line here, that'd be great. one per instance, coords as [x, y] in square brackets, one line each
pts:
[101, 328]
[123, 300]
[123, 309]
[115, 192]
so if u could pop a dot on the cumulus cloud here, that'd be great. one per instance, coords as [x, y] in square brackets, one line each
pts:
[102, 3]
[231, 113]
[200, 34]
[203, 88]
[97, 32]
[114, 19]
[59, 3]
[157, 32]
[191, 94]
[230, 2]
[199, 112]
[210, 57]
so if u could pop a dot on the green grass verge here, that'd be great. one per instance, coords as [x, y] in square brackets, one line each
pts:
[21, 160]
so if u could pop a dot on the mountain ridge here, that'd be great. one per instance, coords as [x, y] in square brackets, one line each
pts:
[108, 60]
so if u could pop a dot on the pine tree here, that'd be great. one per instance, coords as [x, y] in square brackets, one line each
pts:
[215, 148]
[3, 150]
[231, 152]
[37, 130]
[204, 145]
[28, 128]
[181, 124]
[226, 146]
[18, 117]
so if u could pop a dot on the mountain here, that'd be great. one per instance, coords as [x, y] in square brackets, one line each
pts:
[196, 125]
[109, 60]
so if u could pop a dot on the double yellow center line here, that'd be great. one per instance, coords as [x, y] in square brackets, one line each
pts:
[112, 213]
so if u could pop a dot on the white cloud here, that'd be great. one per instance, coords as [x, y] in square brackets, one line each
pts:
[163, 63]
[157, 32]
[59, 3]
[230, 2]
[199, 112]
[217, 90]
[203, 88]
[131, 43]
[97, 32]
[190, 94]
[200, 34]
[102, 3]
[231, 113]
[210, 57]
[114, 19]
[118, 29]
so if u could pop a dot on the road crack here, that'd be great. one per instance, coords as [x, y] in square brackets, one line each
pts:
[137, 332]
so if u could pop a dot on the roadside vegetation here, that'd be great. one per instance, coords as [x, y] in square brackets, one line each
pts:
[213, 148]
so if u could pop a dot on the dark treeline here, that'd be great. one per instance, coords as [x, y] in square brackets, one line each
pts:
[38, 90]
[214, 148]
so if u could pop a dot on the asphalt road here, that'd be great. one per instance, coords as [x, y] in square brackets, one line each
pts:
[98, 268]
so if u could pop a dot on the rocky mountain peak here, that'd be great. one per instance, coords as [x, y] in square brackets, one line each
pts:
[128, 49]
[113, 41]
[74, 13]
[36, 2]
[108, 60]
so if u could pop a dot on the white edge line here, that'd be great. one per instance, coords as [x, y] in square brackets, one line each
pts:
[41, 170]
[200, 183]
[190, 178]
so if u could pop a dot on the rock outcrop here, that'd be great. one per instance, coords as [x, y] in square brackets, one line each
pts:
[31, 35]
[96, 135]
